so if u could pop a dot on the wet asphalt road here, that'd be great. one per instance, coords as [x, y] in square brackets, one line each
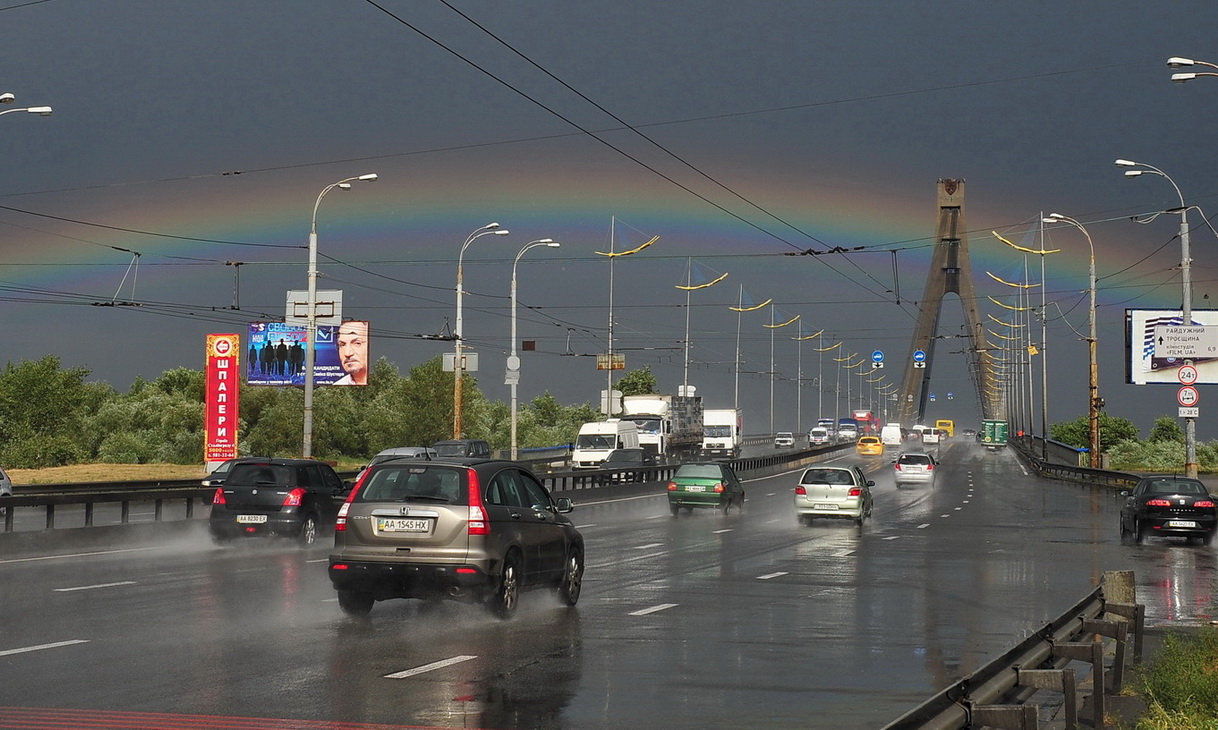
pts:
[705, 620]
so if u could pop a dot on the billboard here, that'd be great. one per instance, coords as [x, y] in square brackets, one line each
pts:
[1158, 342]
[222, 374]
[277, 354]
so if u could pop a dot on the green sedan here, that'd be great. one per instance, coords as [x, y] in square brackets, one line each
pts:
[705, 484]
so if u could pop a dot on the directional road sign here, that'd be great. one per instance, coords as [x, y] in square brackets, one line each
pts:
[919, 356]
[877, 356]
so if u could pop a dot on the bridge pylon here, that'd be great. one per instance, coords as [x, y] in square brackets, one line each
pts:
[950, 271]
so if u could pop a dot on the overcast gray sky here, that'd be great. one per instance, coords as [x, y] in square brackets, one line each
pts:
[200, 133]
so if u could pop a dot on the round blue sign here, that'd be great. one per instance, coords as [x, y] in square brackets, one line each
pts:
[919, 356]
[877, 356]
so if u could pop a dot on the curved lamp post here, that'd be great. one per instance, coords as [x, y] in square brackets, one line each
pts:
[1186, 283]
[1093, 381]
[311, 323]
[1178, 62]
[738, 309]
[688, 287]
[459, 360]
[7, 98]
[771, 326]
[513, 363]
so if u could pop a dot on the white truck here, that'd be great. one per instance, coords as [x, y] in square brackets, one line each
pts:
[670, 426]
[722, 432]
[598, 439]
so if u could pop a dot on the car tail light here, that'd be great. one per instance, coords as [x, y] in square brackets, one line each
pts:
[294, 498]
[340, 566]
[719, 487]
[672, 486]
[1204, 504]
[855, 492]
[478, 523]
[898, 466]
[218, 498]
[801, 491]
[340, 525]
[1158, 503]
[930, 467]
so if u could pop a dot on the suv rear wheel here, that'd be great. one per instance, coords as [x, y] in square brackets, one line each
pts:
[572, 578]
[507, 594]
[308, 531]
[355, 603]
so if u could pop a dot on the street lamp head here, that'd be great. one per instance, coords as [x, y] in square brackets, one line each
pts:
[44, 111]
[1125, 163]
[553, 244]
[503, 232]
[1133, 173]
[1181, 78]
[1177, 62]
[370, 177]
[344, 186]
[7, 98]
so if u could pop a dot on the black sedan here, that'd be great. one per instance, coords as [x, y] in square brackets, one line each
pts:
[1168, 506]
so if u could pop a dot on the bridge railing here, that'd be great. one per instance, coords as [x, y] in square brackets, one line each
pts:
[1030, 454]
[1001, 693]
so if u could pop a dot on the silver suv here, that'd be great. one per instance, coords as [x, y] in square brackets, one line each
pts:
[469, 529]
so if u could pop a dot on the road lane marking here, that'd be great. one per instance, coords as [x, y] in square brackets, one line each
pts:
[945, 515]
[653, 609]
[768, 576]
[924, 525]
[97, 585]
[893, 537]
[649, 546]
[430, 667]
[583, 527]
[628, 560]
[40, 647]
[720, 532]
[77, 555]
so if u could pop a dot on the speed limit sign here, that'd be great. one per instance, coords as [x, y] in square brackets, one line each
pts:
[1187, 374]
[1187, 396]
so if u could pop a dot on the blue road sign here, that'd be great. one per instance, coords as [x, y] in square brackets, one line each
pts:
[877, 356]
[919, 356]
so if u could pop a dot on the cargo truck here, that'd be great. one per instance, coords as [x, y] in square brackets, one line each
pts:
[670, 426]
[994, 434]
[722, 432]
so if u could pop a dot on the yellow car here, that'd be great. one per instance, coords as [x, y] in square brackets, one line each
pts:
[869, 446]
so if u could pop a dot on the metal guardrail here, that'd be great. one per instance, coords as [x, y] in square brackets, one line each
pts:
[1069, 473]
[191, 492]
[998, 694]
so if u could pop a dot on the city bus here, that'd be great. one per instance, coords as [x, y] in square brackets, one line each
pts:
[948, 427]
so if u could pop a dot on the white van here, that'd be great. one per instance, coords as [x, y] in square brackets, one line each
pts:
[598, 438]
[890, 435]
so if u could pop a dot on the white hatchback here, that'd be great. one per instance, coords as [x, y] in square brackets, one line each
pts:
[841, 492]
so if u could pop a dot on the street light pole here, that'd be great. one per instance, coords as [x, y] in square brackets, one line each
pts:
[458, 360]
[311, 321]
[513, 364]
[1093, 411]
[1186, 298]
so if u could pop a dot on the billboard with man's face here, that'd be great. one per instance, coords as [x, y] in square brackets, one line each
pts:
[276, 354]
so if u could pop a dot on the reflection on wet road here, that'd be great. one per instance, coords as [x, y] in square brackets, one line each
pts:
[702, 620]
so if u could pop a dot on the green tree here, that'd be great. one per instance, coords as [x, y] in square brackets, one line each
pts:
[43, 411]
[637, 382]
[1166, 429]
[1077, 433]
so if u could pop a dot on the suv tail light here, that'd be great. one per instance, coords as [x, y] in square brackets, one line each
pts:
[340, 525]
[218, 498]
[801, 491]
[478, 522]
[294, 498]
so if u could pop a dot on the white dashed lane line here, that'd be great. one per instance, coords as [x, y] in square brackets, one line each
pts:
[40, 647]
[653, 609]
[99, 585]
[770, 576]
[430, 667]
[649, 546]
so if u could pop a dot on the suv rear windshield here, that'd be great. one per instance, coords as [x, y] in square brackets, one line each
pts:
[399, 483]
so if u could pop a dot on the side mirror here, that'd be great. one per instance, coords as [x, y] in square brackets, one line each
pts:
[870, 483]
[564, 504]
[1125, 493]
